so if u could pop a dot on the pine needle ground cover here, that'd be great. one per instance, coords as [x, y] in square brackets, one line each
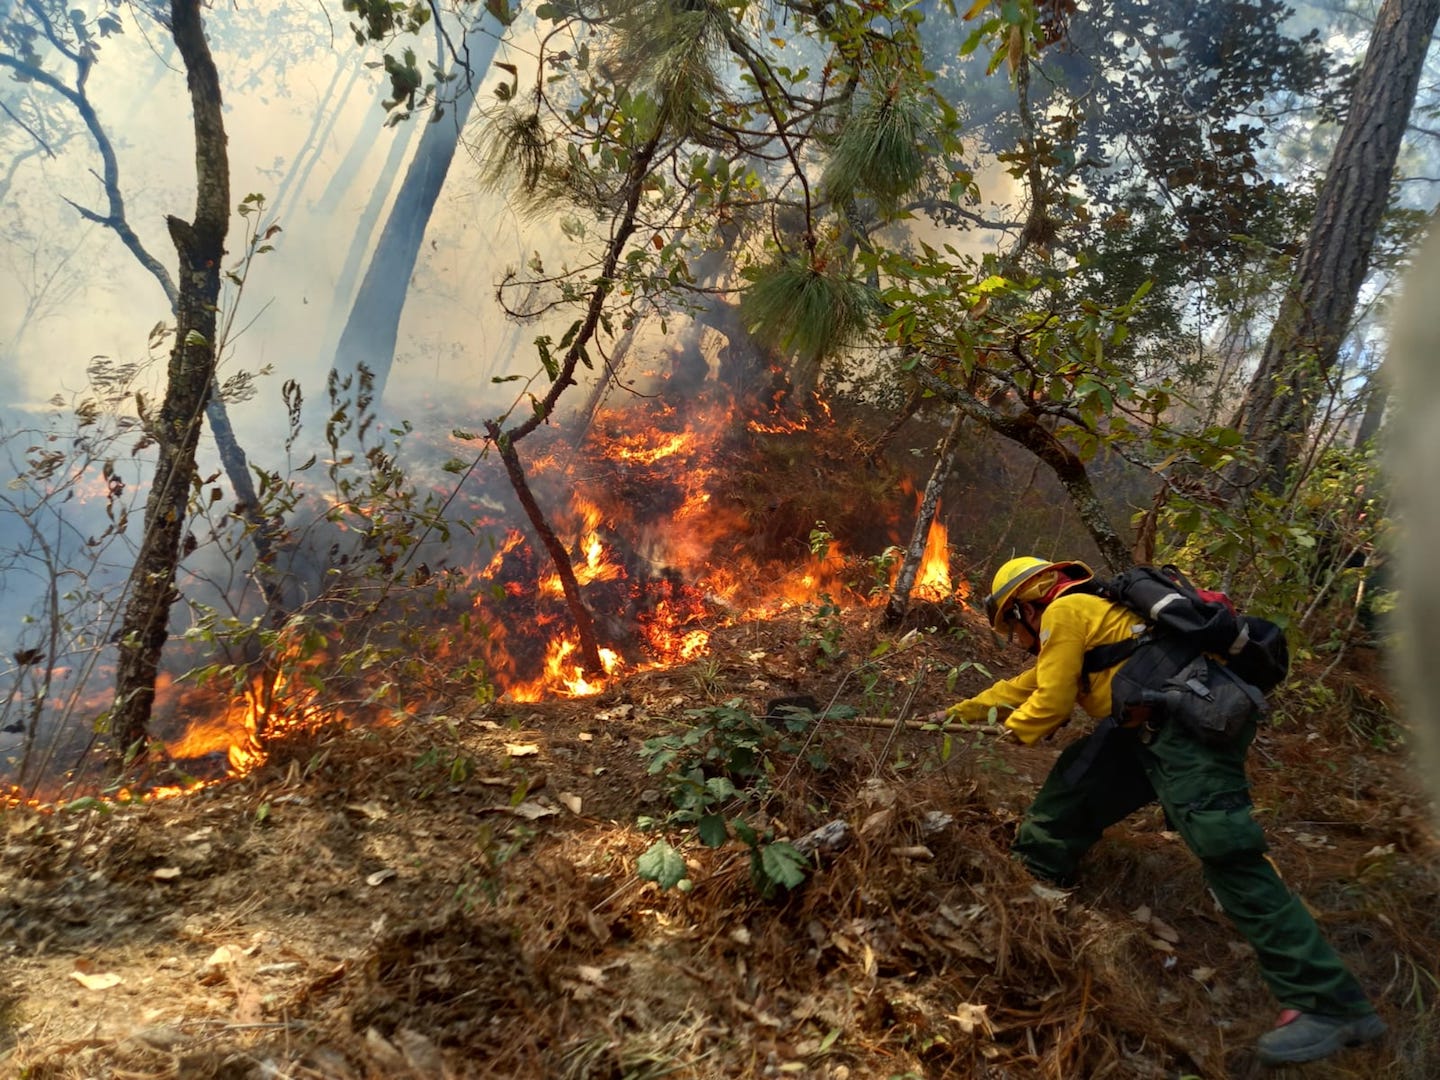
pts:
[458, 897]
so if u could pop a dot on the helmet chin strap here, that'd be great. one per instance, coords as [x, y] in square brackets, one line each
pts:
[1020, 614]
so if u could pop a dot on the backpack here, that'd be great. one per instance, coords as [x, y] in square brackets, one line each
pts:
[1200, 663]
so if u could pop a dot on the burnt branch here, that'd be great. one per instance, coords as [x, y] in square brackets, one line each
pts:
[584, 624]
[634, 185]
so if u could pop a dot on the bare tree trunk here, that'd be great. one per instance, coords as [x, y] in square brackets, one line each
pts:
[899, 601]
[304, 160]
[201, 247]
[1315, 313]
[1377, 397]
[342, 294]
[373, 327]
[344, 173]
[114, 218]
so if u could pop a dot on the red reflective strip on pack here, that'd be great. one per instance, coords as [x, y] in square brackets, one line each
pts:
[1210, 596]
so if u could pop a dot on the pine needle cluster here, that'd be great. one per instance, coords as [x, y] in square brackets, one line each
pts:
[881, 149]
[805, 308]
[671, 49]
[514, 146]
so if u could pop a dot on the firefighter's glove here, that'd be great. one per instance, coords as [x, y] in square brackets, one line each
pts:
[968, 712]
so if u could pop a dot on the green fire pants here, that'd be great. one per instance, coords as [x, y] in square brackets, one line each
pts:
[1207, 799]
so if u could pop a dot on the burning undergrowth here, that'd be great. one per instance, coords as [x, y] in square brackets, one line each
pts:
[423, 580]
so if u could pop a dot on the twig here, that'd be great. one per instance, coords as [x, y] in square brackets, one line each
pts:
[920, 725]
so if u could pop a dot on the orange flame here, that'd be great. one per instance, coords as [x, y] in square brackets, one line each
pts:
[933, 581]
[650, 483]
[563, 675]
[633, 448]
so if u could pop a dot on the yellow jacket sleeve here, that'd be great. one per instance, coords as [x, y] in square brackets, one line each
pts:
[1003, 696]
[1043, 696]
[1055, 678]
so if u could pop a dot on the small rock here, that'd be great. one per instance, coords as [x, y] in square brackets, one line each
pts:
[158, 1037]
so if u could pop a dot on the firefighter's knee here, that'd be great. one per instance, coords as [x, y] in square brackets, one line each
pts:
[1222, 829]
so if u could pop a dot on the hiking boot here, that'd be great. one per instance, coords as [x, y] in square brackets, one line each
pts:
[1299, 1036]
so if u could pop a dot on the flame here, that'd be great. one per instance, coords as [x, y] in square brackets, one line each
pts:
[819, 575]
[512, 540]
[933, 580]
[594, 565]
[668, 631]
[633, 448]
[657, 548]
[563, 675]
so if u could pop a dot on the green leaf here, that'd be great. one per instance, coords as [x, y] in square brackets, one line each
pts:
[552, 368]
[720, 787]
[973, 41]
[88, 802]
[661, 864]
[712, 830]
[783, 863]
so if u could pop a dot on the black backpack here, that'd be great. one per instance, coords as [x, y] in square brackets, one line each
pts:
[1200, 663]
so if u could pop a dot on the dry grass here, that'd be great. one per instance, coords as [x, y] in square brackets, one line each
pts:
[353, 910]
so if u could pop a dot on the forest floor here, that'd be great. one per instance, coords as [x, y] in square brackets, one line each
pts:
[458, 897]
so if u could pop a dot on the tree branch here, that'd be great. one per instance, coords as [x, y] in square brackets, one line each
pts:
[1043, 443]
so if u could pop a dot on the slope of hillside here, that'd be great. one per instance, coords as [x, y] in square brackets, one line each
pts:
[458, 897]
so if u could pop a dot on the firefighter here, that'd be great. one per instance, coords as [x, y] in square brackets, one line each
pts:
[1103, 777]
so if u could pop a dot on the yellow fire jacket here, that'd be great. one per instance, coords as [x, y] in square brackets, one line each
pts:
[1042, 697]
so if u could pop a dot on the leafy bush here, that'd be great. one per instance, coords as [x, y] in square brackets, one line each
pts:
[718, 771]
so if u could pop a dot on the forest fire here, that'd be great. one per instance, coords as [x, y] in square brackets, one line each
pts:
[672, 530]
[564, 675]
[666, 548]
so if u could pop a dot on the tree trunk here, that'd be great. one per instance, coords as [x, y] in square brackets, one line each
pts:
[115, 218]
[303, 163]
[344, 173]
[899, 601]
[373, 327]
[1377, 397]
[1315, 313]
[201, 247]
[364, 229]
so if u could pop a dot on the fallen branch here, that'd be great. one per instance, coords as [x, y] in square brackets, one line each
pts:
[919, 724]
